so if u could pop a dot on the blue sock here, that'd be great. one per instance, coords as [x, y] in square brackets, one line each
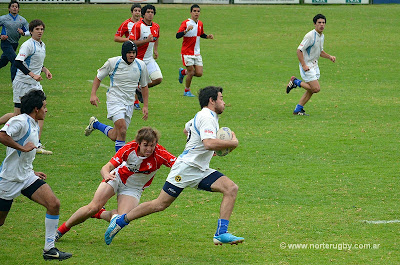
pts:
[297, 82]
[222, 227]
[118, 145]
[121, 221]
[298, 108]
[102, 127]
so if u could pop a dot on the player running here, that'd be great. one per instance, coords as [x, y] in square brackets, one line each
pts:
[191, 30]
[191, 169]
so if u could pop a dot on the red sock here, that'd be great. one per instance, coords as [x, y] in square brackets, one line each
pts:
[63, 229]
[97, 215]
[184, 72]
[187, 89]
[136, 102]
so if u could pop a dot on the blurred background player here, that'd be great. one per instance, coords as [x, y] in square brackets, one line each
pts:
[308, 53]
[13, 27]
[122, 35]
[125, 72]
[145, 35]
[29, 62]
[127, 174]
[191, 169]
[191, 30]
[21, 136]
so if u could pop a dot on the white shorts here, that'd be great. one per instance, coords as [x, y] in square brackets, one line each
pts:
[20, 89]
[10, 190]
[129, 189]
[153, 69]
[311, 75]
[117, 111]
[182, 175]
[190, 60]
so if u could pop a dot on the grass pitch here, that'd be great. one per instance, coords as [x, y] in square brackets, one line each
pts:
[302, 180]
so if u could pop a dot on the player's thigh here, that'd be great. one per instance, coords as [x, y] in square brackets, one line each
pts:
[103, 193]
[314, 86]
[198, 69]
[126, 203]
[223, 184]
[45, 196]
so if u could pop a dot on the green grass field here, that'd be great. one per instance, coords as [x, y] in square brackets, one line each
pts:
[302, 180]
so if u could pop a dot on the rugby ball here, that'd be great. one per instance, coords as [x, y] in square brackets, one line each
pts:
[224, 133]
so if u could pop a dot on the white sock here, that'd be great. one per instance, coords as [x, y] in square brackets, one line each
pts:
[51, 223]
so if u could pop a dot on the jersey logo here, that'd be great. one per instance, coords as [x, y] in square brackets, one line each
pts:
[178, 178]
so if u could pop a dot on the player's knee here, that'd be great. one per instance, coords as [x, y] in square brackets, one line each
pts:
[199, 74]
[53, 205]
[93, 208]
[316, 89]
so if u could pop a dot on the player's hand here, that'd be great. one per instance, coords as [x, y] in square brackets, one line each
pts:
[4, 37]
[41, 175]
[189, 28]
[94, 100]
[21, 32]
[145, 112]
[150, 38]
[305, 68]
[210, 36]
[49, 75]
[332, 58]
[109, 176]
[155, 54]
[234, 139]
[37, 78]
[29, 146]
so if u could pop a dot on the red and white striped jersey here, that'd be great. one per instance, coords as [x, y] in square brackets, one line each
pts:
[191, 40]
[129, 165]
[125, 28]
[141, 31]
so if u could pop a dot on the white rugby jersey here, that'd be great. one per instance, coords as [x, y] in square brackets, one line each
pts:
[32, 53]
[312, 46]
[124, 79]
[204, 126]
[22, 129]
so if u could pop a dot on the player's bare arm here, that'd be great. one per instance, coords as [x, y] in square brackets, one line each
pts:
[106, 172]
[47, 73]
[327, 56]
[300, 56]
[8, 141]
[145, 109]
[94, 100]
[218, 144]
[210, 36]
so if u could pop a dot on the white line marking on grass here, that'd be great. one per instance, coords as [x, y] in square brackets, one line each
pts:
[91, 81]
[381, 222]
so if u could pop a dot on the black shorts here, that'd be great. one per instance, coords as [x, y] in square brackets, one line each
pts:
[5, 205]
[205, 184]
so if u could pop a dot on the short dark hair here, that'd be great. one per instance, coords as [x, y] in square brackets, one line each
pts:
[33, 99]
[194, 6]
[208, 92]
[318, 16]
[34, 23]
[147, 134]
[144, 9]
[134, 6]
[13, 2]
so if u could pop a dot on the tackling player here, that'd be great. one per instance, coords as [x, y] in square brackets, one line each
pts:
[308, 53]
[127, 174]
[191, 30]
[191, 169]
[21, 136]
